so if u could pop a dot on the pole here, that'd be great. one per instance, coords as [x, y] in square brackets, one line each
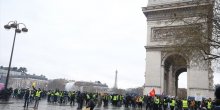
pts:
[9, 67]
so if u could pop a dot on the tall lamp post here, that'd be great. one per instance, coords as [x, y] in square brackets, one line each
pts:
[15, 25]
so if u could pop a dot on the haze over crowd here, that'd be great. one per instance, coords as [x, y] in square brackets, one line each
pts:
[80, 40]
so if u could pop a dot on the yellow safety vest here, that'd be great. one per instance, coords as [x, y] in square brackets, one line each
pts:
[120, 97]
[157, 101]
[87, 96]
[209, 105]
[48, 93]
[57, 93]
[185, 103]
[94, 96]
[115, 98]
[173, 103]
[61, 94]
[38, 93]
[140, 99]
[73, 94]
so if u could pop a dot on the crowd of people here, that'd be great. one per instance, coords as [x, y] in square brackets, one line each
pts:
[92, 100]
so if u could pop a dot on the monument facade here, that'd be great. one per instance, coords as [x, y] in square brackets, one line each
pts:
[163, 67]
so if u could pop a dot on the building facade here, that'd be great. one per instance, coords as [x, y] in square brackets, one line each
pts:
[23, 80]
[83, 86]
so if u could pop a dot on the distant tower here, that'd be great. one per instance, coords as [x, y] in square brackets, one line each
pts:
[116, 75]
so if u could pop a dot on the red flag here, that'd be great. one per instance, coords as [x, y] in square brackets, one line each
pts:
[152, 92]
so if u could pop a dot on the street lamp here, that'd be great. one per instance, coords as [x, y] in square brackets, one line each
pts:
[15, 25]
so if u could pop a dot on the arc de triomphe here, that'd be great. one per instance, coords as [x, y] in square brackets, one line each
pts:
[162, 70]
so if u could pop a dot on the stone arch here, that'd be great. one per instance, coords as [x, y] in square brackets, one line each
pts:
[174, 65]
[159, 13]
[164, 57]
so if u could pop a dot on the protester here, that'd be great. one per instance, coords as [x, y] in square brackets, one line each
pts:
[91, 104]
[185, 104]
[79, 99]
[72, 98]
[37, 96]
[128, 101]
[217, 101]
[26, 97]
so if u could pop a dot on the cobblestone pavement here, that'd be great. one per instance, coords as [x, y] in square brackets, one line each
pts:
[43, 105]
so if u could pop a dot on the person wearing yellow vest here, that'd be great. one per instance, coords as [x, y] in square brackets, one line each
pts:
[106, 98]
[115, 99]
[52, 96]
[37, 96]
[61, 97]
[209, 105]
[165, 103]
[185, 104]
[139, 101]
[172, 104]
[156, 103]
[120, 100]
[88, 97]
[72, 98]
[56, 95]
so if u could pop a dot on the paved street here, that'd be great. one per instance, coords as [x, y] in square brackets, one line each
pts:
[43, 105]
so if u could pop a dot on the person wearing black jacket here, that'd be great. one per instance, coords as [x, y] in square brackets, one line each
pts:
[79, 99]
[26, 97]
[217, 95]
[91, 104]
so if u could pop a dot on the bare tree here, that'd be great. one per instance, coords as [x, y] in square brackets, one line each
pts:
[22, 69]
[201, 35]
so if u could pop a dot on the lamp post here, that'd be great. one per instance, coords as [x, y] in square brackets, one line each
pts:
[15, 25]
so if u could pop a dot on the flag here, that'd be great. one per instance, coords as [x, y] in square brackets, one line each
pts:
[152, 92]
[34, 84]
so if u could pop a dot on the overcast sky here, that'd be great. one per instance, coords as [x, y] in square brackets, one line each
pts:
[77, 39]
